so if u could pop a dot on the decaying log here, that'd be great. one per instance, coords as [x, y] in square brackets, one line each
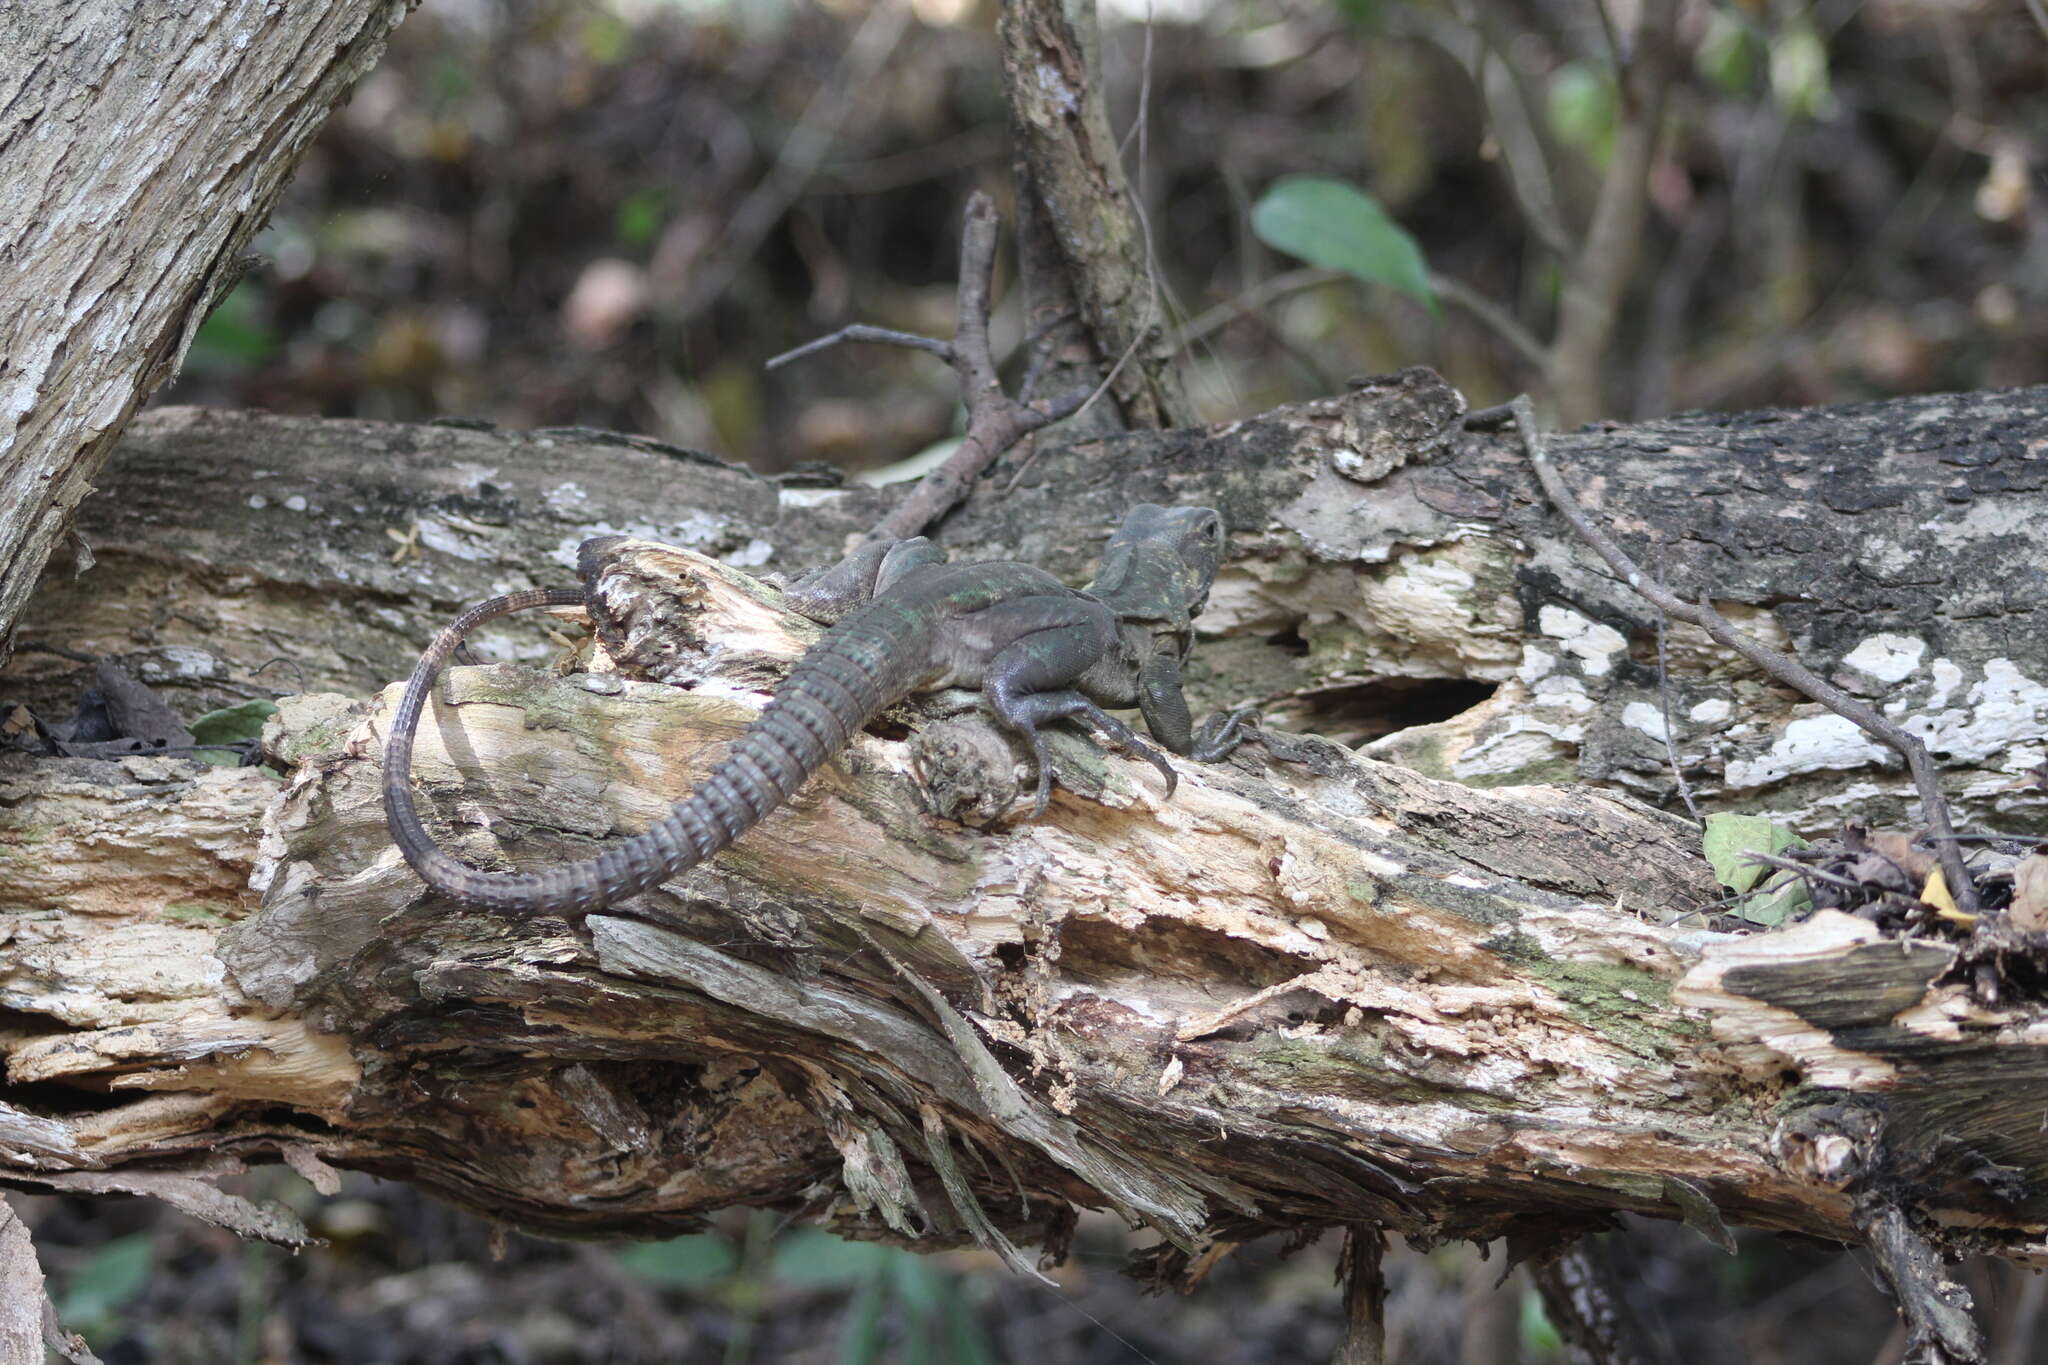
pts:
[1379, 554]
[1310, 988]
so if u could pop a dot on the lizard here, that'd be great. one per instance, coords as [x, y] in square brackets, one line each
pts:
[902, 620]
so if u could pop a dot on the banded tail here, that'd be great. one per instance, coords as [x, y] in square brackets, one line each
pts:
[834, 690]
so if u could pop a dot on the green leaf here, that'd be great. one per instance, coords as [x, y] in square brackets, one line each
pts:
[1799, 72]
[235, 336]
[1339, 227]
[811, 1258]
[966, 1344]
[681, 1263]
[1728, 53]
[1584, 109]
[1782, 898]
[640, 217]
[1730, 839]
[861, 1342]
[1539, 1336]
[1362, 15]
[232, 724]
[107, 1283]
[919, 1288]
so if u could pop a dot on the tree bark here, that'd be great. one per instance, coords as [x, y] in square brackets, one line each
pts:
[1310, 988]
[1082, 241]
[134, 186]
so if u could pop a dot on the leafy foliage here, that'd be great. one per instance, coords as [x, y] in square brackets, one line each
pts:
[1337, 226]
[108, 1281]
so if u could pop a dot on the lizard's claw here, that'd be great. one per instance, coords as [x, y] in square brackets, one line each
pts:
[1112, 729]
[1223, 732]
[1124, 738]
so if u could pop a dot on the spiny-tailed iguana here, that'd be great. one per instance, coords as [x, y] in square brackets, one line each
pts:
[903, 621]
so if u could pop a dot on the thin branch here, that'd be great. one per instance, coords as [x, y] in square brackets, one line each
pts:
[1496, 317]
[1670, 743]
[861, 331]
[1362, 1273]
[1583, 1299]
[1934, 1306]
[1617, 55]
[995, 421]
[1278, 287]
[1803, 870]
[1782, 667]
[1598, 275]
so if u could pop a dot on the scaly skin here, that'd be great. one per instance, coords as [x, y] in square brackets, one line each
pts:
[1038, 649]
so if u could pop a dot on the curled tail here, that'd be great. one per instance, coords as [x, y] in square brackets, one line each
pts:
[834, 690]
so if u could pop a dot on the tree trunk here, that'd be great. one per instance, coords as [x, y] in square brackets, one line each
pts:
[144, 146]
[1311, 987]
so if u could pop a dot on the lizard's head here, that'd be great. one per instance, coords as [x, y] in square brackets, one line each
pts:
[1161, 558]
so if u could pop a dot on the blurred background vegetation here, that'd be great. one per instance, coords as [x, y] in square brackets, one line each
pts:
[609, 212]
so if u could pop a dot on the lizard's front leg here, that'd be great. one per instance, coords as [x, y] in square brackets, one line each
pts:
[1042, 647]
[1165, 707]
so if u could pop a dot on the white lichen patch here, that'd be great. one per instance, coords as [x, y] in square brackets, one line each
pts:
[1593, 644]
[1537, 664]
[2002, 709]
[1523, 745]
[1887, 658]
[1948, 676]
[1640, 715]
[800, 498]
[1809, 744]
[566, 499]
[1712, 711]
[1564, 692]
[461, 538]
[752, 555]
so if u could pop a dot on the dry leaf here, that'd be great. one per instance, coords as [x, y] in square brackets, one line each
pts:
[1936, 894]
[1917, 862]
[2029, 910]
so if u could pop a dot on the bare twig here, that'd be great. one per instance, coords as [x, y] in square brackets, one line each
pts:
[1670, 743]
[1802, 870]
[995, 421]
[1496, 317]
[861, 331]
[1598, 274]
[1363, 1276]
[1269, 291]
[2040, 13]
[1584, 1302]
[1933, 1305]
[1782, 667]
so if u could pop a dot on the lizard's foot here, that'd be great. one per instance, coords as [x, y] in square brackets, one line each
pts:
[1223, 732]
[1029, 713]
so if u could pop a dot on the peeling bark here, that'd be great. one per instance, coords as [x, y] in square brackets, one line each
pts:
[1331, 990]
